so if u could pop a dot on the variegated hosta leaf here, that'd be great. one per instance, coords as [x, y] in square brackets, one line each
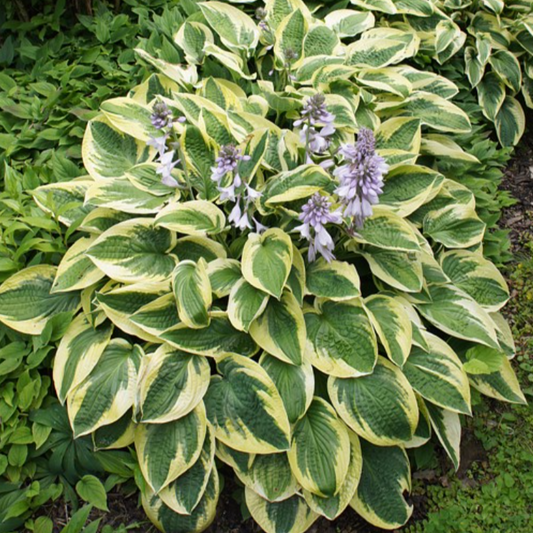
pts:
[385, 6]
[166, 451]
[333, 506]
[241, 462]
[295, 184]
[437, 113]
[417, 8]
[245, 408]
[320, 40]
[185, 76]
[438, 375]
[455, 226]
[442, 146]
[102, 219]
[477, 277]
[290, 36]
[429, 82]
[296, 282]
[340, 339]
[185, 493]
[295, 384]
[401, 270]
[348, 22]
[145, 178]
[423, 429]
[245, 304]
[399, 133]
[131, 117]
[192, 290]
[271, 477]
[122, 195]
[196, 217]
[491, 95]
[502, 385]
[376, 52]
[380, 407]
[108, 153]
[280, 330]
[277, 10]
[171, 522]
[506, 65]
[76, 271]
[336, 280]
[236, 29]
[27, 301]
[408, 187]
[193, 248]
[117, 435]
[191, 38]
[157, 316]
[217, 339]
[288, 516]
[455, 313]
[385, 79]
[393, 326]
[389, 231]
[386, 476]
[78, 353]
[172, 384]
[232, 61]
[447, 427]
[223, 275]
[134, 251]
[320, 450]
[120, 304]
[510, 122]
[266, 260]
[108, 391]
[504, 334]
[64, 200]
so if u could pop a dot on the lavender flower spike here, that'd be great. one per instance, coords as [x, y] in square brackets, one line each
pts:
[316, 213]
[161, 116]
[360, 178]
[317, 126]
[227, 161]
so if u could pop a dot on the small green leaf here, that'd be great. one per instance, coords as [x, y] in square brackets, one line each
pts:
[91, 489]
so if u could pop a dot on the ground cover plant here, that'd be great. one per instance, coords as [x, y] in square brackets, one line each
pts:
[51, 83]
[273, 194]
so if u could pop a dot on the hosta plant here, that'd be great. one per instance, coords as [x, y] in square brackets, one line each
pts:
[266, 276]
[490, 41]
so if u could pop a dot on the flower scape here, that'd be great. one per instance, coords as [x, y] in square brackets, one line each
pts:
[269, 273]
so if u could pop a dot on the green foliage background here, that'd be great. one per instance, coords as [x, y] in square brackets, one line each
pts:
[55, 71]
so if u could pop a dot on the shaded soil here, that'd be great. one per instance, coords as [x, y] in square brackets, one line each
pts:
[518, 179]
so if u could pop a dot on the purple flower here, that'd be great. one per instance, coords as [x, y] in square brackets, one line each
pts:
[227, 161]
[360, 178]
[161, 116]
[166, 164]
[159, 143]
[317, 126]
[315, 112]
[233, 188]
[316, 213]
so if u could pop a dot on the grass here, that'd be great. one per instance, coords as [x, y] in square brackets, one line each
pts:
[496, 494]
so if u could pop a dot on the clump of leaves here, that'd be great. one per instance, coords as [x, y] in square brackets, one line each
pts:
[491, 42]
[265, 272]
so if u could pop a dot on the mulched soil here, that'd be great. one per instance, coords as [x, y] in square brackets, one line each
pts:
[518, 179]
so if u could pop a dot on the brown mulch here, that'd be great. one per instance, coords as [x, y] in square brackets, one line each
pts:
[518, 179]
